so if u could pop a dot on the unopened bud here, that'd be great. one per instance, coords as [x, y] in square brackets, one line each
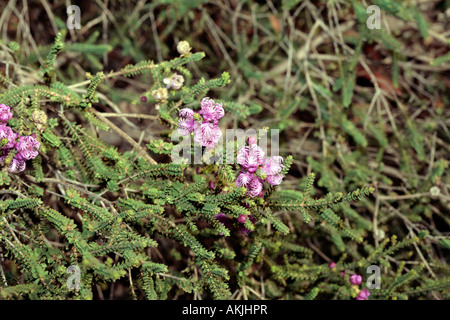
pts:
[183, 47]
[40, 119]
[242, 218]
[160, 94]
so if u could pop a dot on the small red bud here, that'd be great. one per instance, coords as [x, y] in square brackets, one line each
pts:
[242, 218]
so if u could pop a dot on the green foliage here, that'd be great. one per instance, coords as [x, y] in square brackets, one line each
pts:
[103, 194]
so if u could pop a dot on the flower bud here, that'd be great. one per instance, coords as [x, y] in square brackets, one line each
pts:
[332, 264]
[40, 119]
[242, 218]
[183, 47]
[356, 279]
[160, 94]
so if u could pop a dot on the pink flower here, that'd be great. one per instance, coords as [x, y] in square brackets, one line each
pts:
[332, 264]
[363, 295]
[255, 187]
[356, 279]
[272, 166]
[243, 179]
[251, 182]
[7, 133]
[5, 112]
[210, 110]
[250, 157]
[27, 147]
[187, 122]
[207, 134]
[16, 165]
[275, 179]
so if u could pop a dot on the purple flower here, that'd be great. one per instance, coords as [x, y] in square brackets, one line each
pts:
[16, 165]
[272, 166]
[255, 187]
[211, 111]
[275, 179]
[332, 264]
[356, 279]
[7, 133]
[250, 157]
[212, 185]
[27, 147]
[187, 122]
[207, 134]
[251, 182]
[5, 113]
[243, 179]
[363, 295]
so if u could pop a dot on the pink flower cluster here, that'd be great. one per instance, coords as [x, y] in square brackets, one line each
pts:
[251, 159]
[364, 294]
[23, 147]
[202, 123]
